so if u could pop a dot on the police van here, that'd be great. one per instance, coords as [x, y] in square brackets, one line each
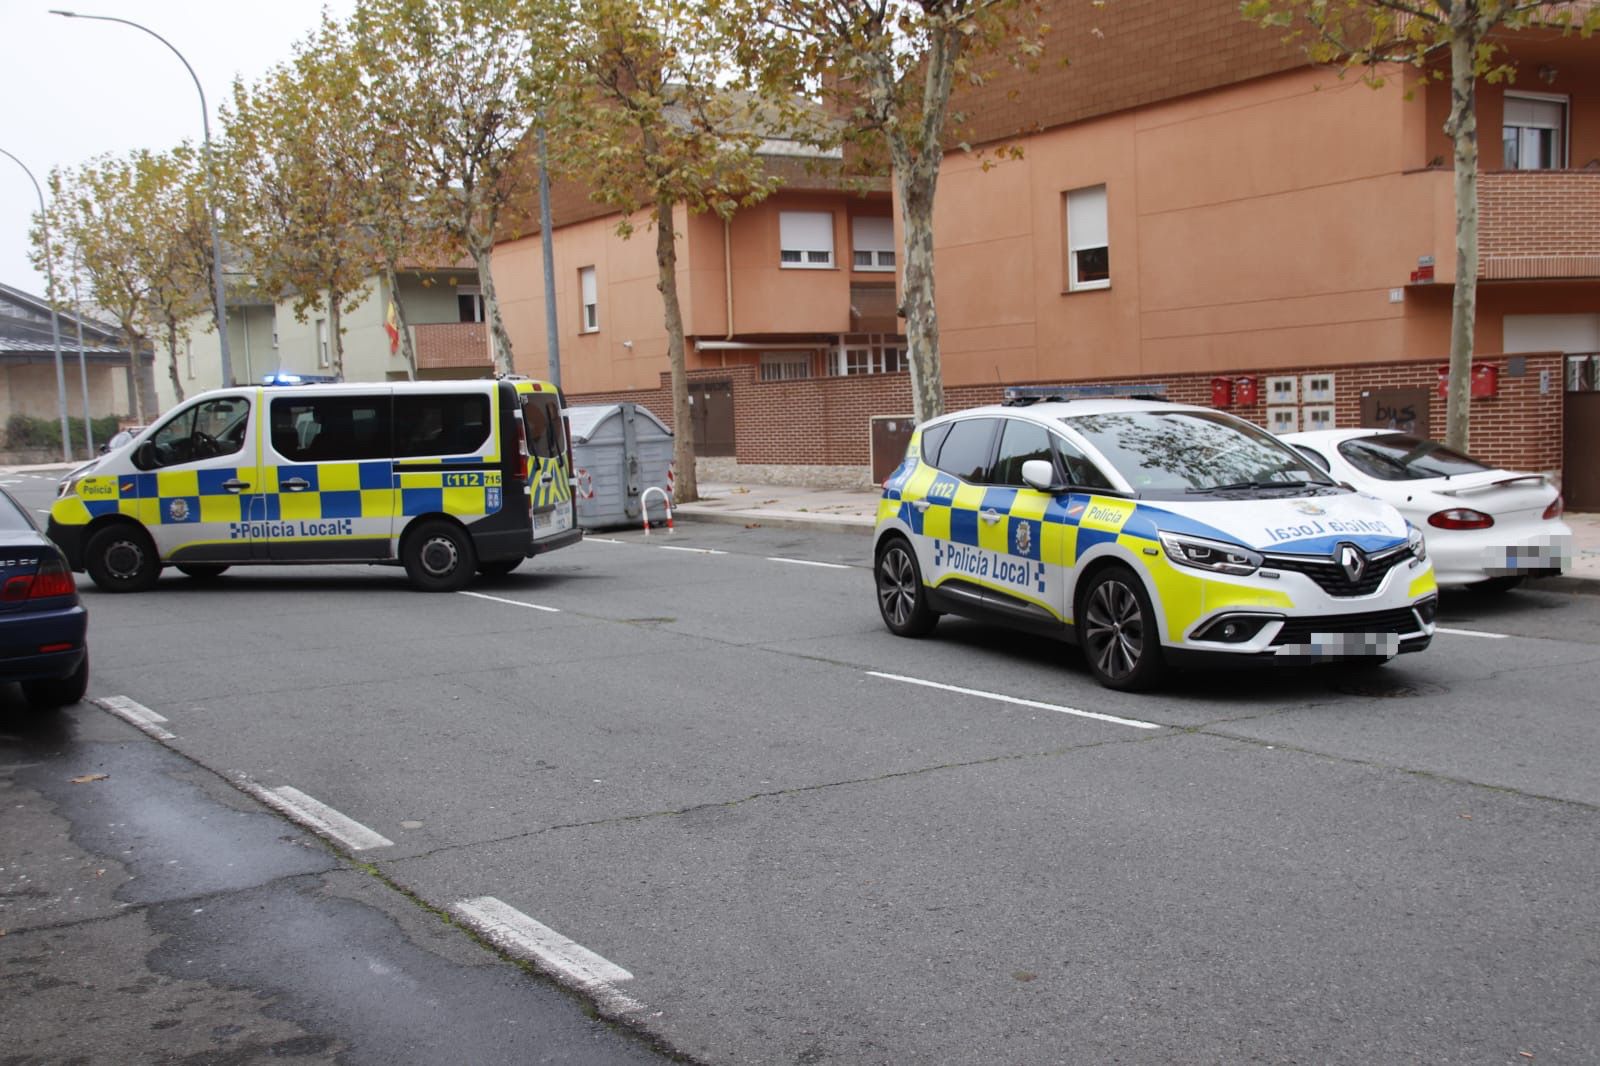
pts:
[447, 478]
[1153, 534]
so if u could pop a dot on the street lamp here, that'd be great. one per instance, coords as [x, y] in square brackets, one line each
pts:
[50, 294]
[211, 188]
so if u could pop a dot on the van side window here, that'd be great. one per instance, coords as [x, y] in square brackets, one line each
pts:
[932, 441]
[215, 427]
[440, 424]
[321, 429]
[966, 450]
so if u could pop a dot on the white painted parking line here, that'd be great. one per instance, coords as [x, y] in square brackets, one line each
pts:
[318, 817]
[999, 698]
[135, 714]
[514, 603]
[571, 963]
[602, 540]
[1471, 633]
[807, 562]
[697, 551]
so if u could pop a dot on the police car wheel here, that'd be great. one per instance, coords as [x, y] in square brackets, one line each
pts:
[902, 599]
[439, 557]
[202, 571]
[49, 693]
[1117, 632]
[120, 558]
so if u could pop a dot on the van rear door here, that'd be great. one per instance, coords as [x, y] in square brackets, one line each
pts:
[549, 487]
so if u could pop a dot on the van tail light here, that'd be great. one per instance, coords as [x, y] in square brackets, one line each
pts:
[50, 580]
[566, 430]
[522, 460]
[1557, 506]
[1460, 518]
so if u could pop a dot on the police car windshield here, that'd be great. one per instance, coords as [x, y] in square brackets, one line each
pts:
[1181, 453]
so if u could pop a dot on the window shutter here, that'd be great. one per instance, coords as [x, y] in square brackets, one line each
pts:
[809, 231]
[1538, 114]
[1086, 218]
[870, 234]
[587, 276]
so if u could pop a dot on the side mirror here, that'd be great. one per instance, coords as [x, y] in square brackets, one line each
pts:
[144, 456]
[1039, 474]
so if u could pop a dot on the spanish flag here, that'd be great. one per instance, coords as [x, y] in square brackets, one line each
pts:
[391, 326]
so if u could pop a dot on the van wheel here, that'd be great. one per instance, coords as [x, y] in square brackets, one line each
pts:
[499, 567]
[202, 571]
[902, 599]
[52, 692]
[1119, 632]
[121, 558]
[438, 556]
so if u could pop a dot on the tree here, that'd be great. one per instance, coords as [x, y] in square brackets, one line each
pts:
[887, 69]
[177, 261]
[639, 113]
[451, 80]
[298, 150]
[1371, 36]
[104, 222]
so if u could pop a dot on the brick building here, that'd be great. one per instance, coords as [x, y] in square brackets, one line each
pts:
[1228, 225]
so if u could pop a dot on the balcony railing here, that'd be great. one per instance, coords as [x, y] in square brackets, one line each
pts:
[447, 345]
[1538, 224]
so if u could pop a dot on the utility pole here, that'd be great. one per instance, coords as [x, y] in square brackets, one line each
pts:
[55, 321]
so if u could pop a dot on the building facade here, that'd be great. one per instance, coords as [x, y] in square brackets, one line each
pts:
[27, 362]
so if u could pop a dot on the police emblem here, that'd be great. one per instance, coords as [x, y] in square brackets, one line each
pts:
[178, 510]
[1024, 538]
[1307, 508]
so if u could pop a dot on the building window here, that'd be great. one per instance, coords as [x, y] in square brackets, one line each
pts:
[805, 239]
[1088, 250]
[872, 243]
[868, 354]
[785, 366]
[1534, 132]
[469, 304]
[590, 316]
[322, 343]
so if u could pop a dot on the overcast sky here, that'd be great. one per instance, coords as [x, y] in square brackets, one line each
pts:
[74, 89]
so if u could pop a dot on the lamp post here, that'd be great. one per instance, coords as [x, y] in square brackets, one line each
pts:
[50, 294]
[211, 188]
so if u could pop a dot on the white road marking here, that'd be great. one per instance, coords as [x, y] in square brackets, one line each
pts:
[998, 698]
[514, 932]
[318, 817]
[806, 562]
[697, 551]
[135, 714]
[514, 603]
[1471, 633]
[603, 540]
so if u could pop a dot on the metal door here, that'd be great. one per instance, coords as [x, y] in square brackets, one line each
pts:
[890, 434]
[711, 412]
[1580, 460]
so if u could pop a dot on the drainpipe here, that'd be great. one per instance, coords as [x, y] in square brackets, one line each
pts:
[727, 273]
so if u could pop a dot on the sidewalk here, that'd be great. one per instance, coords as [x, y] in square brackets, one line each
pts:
[855, 511]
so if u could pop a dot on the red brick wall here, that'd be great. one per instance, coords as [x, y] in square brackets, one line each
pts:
[443, 345]
[1539, 224]
[824, 421]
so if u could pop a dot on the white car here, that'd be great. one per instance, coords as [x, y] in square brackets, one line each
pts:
[1487, 528]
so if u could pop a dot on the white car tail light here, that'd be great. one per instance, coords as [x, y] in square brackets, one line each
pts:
[1557, 506]
[1460, 518]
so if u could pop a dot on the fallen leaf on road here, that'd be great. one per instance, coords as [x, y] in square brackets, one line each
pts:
[1526, 1054]
[752, 525]
[86, 778]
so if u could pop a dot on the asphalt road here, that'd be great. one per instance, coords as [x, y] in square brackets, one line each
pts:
[682, 753]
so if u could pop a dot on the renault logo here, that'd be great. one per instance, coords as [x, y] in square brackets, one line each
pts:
[1353, 561]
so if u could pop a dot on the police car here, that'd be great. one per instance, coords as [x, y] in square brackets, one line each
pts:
[1152, 534]
[446, 478]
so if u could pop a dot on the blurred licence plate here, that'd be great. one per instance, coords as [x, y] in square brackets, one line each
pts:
[1341, 645]
[552, 521]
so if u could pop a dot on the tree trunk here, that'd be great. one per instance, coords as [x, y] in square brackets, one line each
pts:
[408, 350]
[335, 336]
[172, 358]
[686, 485]
[482, 254]
[1462, 127]
[917, 303]
[145, 404]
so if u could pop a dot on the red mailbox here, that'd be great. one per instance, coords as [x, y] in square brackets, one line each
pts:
[1485, 381]
[1221, 392]
[1444, 380]
[1244, 391]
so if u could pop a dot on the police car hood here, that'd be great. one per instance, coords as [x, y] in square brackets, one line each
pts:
[1306, 526]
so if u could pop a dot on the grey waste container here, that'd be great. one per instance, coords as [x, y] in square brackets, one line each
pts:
[620, 450]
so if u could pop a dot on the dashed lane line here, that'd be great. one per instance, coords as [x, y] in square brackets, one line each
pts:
[318, 817]
[514, 603]
[567, 961]
[135, 714]
[696, 551]
[808, 562]
[1018, 701]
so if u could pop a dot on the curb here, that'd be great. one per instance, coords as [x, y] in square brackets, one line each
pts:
[777, 520]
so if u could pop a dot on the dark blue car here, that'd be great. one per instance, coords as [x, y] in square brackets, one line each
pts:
[42, 624]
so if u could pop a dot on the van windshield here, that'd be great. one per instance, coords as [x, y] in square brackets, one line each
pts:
[541, 421]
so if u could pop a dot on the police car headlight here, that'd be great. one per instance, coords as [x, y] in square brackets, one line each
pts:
[1417, 543]
[1210, 554]
[68, 487]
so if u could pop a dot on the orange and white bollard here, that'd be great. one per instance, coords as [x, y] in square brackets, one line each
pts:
[644, 502]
